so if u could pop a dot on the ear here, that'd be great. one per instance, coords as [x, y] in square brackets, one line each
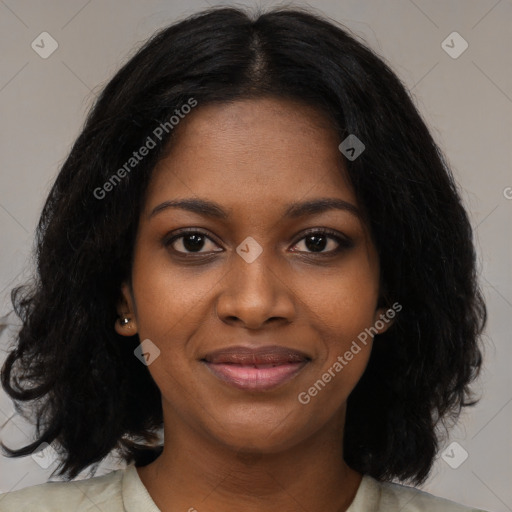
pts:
[126, 323]
[385, 317]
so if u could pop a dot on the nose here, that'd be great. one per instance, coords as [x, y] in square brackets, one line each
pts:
[254, 294]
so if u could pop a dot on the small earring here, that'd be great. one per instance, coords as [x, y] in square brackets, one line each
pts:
[124, 321]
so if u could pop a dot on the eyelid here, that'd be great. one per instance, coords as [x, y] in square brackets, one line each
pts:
[342, 240]
[168, 240]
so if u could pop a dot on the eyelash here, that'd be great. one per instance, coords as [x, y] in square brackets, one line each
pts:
[343, 242]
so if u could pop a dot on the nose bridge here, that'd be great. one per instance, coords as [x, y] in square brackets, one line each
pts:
[254, 288]
[253, 270]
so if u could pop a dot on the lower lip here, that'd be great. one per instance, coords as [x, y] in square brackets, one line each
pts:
[255, 379]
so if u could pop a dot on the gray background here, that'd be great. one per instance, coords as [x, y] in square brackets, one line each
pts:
[467, 102]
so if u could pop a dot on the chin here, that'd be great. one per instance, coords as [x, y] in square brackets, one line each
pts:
[259, 433]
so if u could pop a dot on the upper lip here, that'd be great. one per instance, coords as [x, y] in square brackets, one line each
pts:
[269, 354]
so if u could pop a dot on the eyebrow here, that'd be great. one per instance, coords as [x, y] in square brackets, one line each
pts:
[211, 209]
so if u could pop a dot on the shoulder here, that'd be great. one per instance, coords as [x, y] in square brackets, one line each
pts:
[415, 500]
[390, 497]
[79, 495]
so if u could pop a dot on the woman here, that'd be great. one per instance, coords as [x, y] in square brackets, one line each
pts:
[256, 246]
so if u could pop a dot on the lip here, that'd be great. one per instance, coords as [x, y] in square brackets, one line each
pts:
[255, 369]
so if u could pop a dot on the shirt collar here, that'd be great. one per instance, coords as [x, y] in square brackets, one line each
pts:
[136, 497]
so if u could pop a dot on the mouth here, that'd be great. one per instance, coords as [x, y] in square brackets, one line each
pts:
[258, 369]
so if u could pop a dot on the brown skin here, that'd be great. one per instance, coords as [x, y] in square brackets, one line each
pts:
[225, 448]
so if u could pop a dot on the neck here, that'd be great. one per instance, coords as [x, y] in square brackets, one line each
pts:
[195, 472]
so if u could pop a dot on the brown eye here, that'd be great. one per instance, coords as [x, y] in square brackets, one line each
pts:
[191, 242]
[317, 241]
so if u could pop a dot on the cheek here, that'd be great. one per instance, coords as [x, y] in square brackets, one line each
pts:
[169, 300]
[170, 309]
[342, 310]
[344, 302]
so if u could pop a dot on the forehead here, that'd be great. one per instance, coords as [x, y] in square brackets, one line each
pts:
[264, 150]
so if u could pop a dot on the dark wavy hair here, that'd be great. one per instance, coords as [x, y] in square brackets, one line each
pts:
[79, 380]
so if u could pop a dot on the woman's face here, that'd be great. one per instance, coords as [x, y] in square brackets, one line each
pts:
[253, 278]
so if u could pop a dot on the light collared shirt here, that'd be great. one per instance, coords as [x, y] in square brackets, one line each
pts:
[123, 491]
